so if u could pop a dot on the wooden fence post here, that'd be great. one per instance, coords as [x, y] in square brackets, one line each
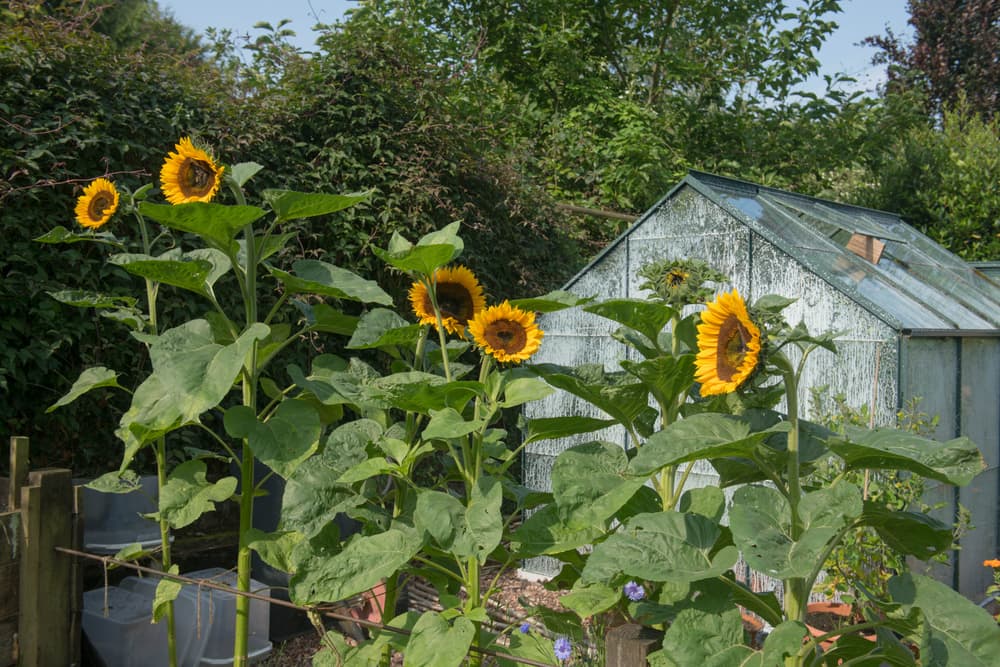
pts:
[46, 609]
[18, 470]
[629, 645]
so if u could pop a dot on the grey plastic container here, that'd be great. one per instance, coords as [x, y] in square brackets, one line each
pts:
[112, 521]
[193, 625]
[124, 636]
[218, 650]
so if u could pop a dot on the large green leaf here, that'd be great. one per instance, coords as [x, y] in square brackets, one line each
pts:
[315, 277]
[60, 234]
[548, 428]
[188, 494]
[330, 320]
[646, 317]
[467, 532]
[956, 632]
[545, 533]
[953, 462]
[523, 390]
[91, 378]
[243, 172]
[85, 299]
[667, 378]
[430, 253]
[589, 599]
[288, 437]
[702, 436]
[381, 327]
[760, 520]
[216, 223]
[290, 205]
[314, 495]
[363, 563]
[617, 394]
[551, 302]
[437, 643]
[448, 423]
[275, 549]
[191, 375]
[187, 273]
[700, 638]
[167, 591]
[590, 482]
[910, 533]
[415, 391]
[665, 546]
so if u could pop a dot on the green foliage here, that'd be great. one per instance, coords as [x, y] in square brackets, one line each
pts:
[942, 180]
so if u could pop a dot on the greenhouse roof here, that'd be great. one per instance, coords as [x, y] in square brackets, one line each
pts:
[873, 257]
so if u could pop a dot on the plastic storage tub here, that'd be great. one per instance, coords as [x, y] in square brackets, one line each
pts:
[192, 626]
[218, 649]
[112, 521]
[124, 637]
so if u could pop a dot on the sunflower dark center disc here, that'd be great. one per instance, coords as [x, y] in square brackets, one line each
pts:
[101, 202]
[732, 349]
[676, 277]
[507, 336]
[455, 301]
[197, 178]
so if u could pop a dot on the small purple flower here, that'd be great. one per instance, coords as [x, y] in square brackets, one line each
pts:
[634, 591]
[563, 648]
[525, 628]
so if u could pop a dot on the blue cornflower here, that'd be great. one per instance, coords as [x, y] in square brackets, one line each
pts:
[634, 591]
[563, 648]
[525, 628]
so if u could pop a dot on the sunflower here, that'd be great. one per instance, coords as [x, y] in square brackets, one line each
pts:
[728, 345]
[97, 204]
[459, 296]
[190, 174]
[506, 333]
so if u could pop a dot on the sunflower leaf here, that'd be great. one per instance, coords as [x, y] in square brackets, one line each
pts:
[243, 172]
[291, 205]
[646, 317]
[218, 224]
[87, 299]
[551, 302]
[424, 260]
[548, 428]
[316, 277]
[60, 234]
[381, 327]
[91, 378]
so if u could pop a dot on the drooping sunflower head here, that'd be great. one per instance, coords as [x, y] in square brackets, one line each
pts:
[190, 174]
[97, 204]
[680, 282]
[506, 333]
[728, 345]
[459, 297]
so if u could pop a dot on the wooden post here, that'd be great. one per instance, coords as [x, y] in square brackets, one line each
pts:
[629, 645]
[18, 470]
[76, 580]
[10, 531]
[47, 521]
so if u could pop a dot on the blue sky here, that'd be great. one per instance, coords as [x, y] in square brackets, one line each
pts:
[840, 53]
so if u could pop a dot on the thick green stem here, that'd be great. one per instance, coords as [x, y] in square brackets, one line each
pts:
[242, 629]
[796, 595]
[473, 602]
[161, 480]
[161, 451]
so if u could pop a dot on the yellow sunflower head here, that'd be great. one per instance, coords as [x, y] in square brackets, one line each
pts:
[97, 204]
[506, 333]
[190, 174]
[459, 296]
[728, 345]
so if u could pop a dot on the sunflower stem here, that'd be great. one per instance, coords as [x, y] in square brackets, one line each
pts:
[243, 560]
[160, 449]
[795, 594]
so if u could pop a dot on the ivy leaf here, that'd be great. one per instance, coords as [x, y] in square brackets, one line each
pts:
[90, 379]
[188, 494]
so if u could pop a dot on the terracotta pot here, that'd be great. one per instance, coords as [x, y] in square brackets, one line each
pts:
[828, 616]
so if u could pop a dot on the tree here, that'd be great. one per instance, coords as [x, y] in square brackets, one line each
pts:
[953, 54]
